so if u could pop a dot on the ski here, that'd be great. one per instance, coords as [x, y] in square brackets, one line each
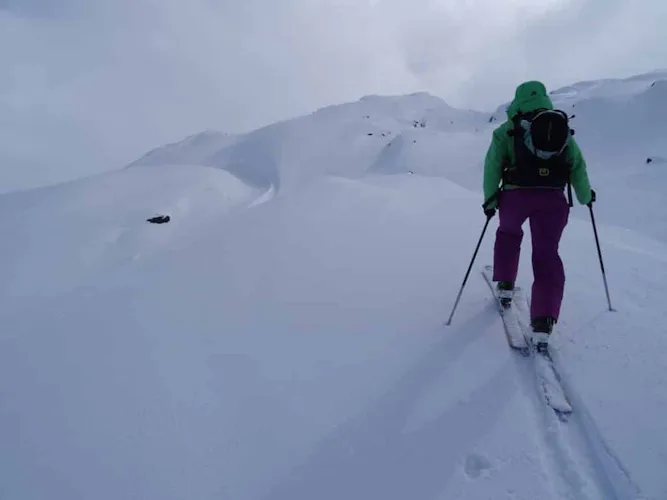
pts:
[517, 330]
[545, 370]
[550, 383]
[515, 337]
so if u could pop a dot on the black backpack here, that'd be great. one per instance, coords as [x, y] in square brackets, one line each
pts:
[541, 139]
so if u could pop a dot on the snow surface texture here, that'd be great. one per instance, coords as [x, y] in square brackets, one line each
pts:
[282, 337]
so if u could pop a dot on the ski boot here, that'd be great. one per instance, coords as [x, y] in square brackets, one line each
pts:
[505, 290]
[542, 328]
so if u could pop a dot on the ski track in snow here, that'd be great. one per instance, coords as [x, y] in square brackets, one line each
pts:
[613, 478]
[575, 451]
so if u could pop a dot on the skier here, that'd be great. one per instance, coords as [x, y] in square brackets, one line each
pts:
[531, 159]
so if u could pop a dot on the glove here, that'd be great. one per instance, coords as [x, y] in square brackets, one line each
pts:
[593, 198]
[490, 212]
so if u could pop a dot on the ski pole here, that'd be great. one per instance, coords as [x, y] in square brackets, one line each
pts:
[597, 243]
[474, 256]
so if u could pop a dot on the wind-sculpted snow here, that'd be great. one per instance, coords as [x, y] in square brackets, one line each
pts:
[193, 150]
[61, 237]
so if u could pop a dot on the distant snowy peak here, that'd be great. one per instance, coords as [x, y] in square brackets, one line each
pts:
[617, 89]
[415, 102]
[343, 140]
[401, 112]
[614, 91]
[372, 115]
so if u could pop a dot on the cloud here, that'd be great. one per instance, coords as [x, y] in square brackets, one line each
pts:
[93, 85]
[577, 40]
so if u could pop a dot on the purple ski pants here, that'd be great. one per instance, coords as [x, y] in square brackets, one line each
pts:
[547, 211]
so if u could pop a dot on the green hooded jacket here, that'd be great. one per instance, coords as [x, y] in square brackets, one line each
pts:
[529, 97]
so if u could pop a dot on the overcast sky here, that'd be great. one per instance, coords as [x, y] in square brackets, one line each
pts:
[89, 85]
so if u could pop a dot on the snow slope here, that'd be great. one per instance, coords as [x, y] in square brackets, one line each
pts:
[282, 338]
[57, 238]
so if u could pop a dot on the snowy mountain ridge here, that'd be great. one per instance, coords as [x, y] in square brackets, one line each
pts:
[277, 154]
[392, 114]
[619, 124]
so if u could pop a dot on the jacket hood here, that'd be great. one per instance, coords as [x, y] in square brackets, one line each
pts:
[529, 96]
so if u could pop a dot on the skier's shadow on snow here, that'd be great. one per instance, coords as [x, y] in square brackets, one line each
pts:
[374, 458]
